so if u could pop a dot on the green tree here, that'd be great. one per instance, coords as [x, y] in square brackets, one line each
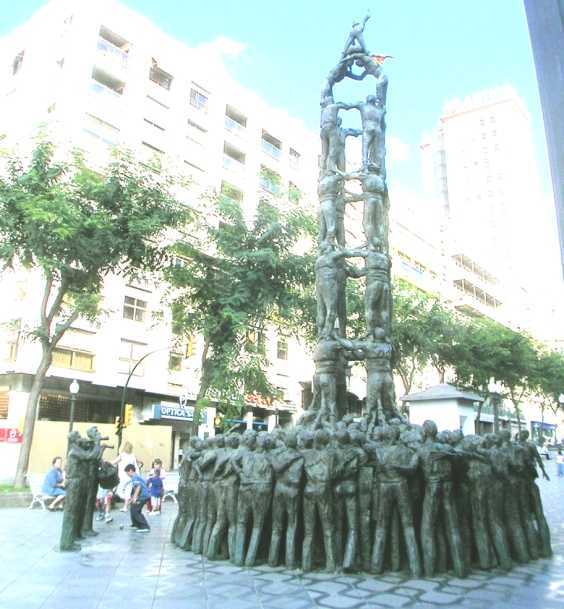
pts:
[490, 351]
[424, 333]
[239, 280]
[76, 226]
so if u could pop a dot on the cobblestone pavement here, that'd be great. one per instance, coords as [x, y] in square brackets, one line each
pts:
[121, 568]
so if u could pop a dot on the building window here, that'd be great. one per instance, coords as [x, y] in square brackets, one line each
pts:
[158, 102]
[154, 125]
[282, 349]
[103, 83]
[175, 362]
[295, 158]
[4, 401]
[234, 120]
[271, 146]
[294, 193]
[160, 77]
[101, 130]
[269, 181]
[130, 353]
[134, 309]
[199, 100]
[113, 46]
[73, 360]
[196, 133]
[230, 192]
[17, 63]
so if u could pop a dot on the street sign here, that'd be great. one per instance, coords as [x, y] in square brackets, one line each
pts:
[11, 436]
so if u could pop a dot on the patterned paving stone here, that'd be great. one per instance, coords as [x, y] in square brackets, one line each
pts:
[328, 587]
[438, 598]
[422, 584]
[390, 600]
[339, 601]
[465, 583]
[376, 585]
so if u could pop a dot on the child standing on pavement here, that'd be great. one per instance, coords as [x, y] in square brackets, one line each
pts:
[155, 485]
[560, 463]
[139, 495]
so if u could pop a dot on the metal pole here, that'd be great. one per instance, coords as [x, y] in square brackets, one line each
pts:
[122, 404]
[71, 416]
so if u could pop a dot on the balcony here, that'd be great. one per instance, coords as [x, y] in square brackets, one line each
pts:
[234, 170]
[113, 54]
[235, 127]
[271, 149]
[105, 102]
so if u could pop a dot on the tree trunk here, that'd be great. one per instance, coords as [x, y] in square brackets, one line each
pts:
[477, 427]
[31, 414]
[495, 405]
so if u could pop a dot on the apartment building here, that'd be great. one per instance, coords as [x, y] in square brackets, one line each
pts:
[95, 76]
[480, 163]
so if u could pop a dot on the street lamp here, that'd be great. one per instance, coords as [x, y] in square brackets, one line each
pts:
[74, 388]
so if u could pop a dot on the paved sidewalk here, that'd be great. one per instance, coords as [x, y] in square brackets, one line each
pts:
[121, 568]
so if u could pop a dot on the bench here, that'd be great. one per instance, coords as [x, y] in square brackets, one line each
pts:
[170, 486]
[35, 482]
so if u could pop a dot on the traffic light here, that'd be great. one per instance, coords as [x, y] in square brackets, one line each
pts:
[117, 424]
[128, 415]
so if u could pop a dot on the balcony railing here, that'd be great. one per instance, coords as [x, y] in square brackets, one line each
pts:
[108, 49]
[100, 89]
[271, 150]
[232, 164]
[234, 127]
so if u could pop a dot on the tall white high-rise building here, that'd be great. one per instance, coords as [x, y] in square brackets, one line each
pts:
[480, 163]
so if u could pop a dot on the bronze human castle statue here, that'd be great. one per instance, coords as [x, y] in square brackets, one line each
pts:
[373, 492]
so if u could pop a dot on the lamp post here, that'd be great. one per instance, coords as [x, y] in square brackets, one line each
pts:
[74, 389]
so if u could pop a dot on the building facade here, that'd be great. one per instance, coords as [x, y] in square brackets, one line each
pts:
[95, 76]
[546, 28]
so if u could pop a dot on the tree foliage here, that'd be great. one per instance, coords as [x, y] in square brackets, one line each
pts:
[76, 226]
[239, 280]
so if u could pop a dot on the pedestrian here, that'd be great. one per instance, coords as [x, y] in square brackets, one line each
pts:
[125, 458]
[104, 499]
[156, 488]
[54, 483]
[139, 495]
[560, 463]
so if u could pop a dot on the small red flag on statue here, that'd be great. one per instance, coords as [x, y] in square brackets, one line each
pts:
[380, 58]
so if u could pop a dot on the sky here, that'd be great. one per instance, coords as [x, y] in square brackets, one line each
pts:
[441, 49]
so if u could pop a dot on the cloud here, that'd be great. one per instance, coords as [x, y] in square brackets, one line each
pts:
[397, 150]
[225, 47]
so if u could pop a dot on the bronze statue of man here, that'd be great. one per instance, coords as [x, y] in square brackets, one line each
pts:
[531, 494]
[288, 465]
[436, 462]
[76, 487]
[372, 114]
[255, 493]
[206, 503]
[221, 471]
[319, 467]
[396, 463]
[355, 40]
[346, 497]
